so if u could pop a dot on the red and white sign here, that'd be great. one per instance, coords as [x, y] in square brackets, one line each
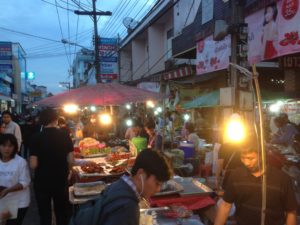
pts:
[179, 73]
[213, 55]
[274, 31]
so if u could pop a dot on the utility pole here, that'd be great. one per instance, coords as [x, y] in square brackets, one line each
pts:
[94, 13]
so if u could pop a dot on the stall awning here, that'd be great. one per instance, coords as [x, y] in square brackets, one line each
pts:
[210, 99]
[179, 73]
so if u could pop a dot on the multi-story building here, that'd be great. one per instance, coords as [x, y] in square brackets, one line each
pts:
[146, 52]
[81, 66]
[13, 85]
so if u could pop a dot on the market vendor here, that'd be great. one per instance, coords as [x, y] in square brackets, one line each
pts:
[191, 135]
[155, 140]
[286, 132]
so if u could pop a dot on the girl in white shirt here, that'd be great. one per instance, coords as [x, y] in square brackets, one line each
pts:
[14, 177]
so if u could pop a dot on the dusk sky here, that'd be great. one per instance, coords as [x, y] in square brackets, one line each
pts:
[50, 59]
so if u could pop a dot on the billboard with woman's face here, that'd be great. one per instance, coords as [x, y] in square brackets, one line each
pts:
[274, 31]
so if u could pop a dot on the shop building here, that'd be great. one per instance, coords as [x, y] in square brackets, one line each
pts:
[82, 63]
[13, 84]
[146, 52]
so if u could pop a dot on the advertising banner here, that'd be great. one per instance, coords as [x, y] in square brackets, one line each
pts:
[6, 68]
[213, 55]
[149, 86]
[108, 58]
[274, 31]
[5, 51]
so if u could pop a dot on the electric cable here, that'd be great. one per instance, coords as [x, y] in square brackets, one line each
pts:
[62, 36]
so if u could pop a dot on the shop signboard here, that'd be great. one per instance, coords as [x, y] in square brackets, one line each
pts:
[291, 62]
[149, 86]
[274, 31]
[5, 51]
[6, 68]
[108, 58]
[213, 55]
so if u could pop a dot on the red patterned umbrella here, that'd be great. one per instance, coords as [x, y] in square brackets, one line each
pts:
[100, 94]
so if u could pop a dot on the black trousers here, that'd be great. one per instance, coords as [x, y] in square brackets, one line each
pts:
[62, 207]
[19, 219]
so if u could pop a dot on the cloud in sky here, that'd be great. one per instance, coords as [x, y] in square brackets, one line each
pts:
[39, 18]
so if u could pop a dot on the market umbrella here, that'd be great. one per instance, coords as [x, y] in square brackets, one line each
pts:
[100, 94]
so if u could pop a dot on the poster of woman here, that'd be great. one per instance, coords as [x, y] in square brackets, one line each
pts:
[274, 31]
[270, 32]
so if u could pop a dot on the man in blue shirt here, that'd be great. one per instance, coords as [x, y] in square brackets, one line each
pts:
[285, 134]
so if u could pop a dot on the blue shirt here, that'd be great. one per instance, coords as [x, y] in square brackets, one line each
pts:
[285, 135]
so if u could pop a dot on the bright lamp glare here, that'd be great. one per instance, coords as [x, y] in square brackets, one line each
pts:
[150, 104]
[235, 130]
[128, 106]
[274, 108]
[129, 122]
[105, 119]
[71, 108]
[159, 109]
[186, 117]
[156, 113]
[93, 108]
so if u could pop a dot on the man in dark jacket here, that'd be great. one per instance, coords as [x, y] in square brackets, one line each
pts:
[147, 175]
[244, 189]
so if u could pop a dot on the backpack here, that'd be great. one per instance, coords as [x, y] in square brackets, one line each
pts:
[90, 213]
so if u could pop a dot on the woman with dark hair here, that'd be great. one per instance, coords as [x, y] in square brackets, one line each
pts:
[155, 139]
[51, 157]
[14, 177]
[270, 32]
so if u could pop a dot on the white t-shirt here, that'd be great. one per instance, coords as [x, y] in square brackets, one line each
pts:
[193, 137]
[16, 171]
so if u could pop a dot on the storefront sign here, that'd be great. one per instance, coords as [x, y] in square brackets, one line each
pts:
[274, 31]
[5, 51]
[213, 55]
[289, 62]
[6, 68]
[149, 86]
[108, 58]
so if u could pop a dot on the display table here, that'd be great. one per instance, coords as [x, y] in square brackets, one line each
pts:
[190, 202]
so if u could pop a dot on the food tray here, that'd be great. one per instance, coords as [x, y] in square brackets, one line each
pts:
[106, 173]
[192, 186]
[95, 155]
[88, 189]
[174, 188]
[79, 200]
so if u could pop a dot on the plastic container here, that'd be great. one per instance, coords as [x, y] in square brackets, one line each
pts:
[188, 149]
[140, 143]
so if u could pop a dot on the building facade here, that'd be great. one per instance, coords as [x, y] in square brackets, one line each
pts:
[12, 83]
[82, 65]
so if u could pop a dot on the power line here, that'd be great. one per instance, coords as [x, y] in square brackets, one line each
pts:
[62, 36]
[31, 35]
[68, 24]
[59, 6]
[116, 15]
[76, 31]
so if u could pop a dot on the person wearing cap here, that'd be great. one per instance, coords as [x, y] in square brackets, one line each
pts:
[11, 127]
[244, 189]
